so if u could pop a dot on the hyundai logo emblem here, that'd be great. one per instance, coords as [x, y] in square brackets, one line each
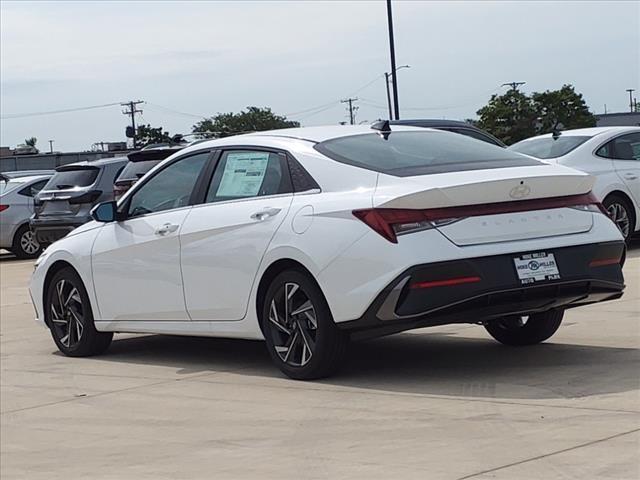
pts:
[520, 191]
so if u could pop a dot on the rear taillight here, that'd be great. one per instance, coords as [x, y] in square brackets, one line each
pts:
[391, 222]
[3, 207]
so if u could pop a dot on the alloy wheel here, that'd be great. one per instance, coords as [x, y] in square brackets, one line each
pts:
[28, 243]
[620, 217]
[293, 325]
[67, 313]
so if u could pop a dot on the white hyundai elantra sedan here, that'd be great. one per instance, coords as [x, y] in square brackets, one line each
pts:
[312, 237]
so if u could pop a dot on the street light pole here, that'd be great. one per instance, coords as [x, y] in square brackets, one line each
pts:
[630, 90]
[387, 77]
[392, 49]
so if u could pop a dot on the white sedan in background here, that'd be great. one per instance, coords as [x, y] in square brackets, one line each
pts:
[610, 154]
[309, 238]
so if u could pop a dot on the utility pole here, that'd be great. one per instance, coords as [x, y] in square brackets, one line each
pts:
[513, 85]
[352, 109]
[631, 90]
[392, 50]
[50, 146]
[132, 111]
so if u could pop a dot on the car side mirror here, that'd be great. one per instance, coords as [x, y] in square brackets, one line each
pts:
[105, 212]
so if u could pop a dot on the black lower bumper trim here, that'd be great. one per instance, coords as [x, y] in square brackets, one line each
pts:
[499, 293]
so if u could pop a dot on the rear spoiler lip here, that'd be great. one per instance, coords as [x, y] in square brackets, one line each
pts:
[71, 168]
[442, 213]
[159, 154]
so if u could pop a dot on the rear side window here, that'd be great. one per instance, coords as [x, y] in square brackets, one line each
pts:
[246, 174]
[419, 153]
[548, 147]
[32, 190]
[72, 178]
[135, 170]
[624, 147]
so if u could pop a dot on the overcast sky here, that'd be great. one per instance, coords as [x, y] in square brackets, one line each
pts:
[200, 58]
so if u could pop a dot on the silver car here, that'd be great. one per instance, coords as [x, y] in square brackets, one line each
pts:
[17, 190]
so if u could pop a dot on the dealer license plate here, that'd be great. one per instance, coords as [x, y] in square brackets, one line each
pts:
[536, 267]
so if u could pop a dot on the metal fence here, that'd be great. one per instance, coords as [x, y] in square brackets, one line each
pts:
[49, 161]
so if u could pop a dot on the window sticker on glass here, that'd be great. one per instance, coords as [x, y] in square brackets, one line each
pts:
[243, 174]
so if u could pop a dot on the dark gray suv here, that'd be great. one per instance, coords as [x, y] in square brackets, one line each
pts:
[66, 200]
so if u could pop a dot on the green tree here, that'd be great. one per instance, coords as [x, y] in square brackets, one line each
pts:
[561, 109]
[31, 142]
[511, 117]
[253, 119]
[146, 134]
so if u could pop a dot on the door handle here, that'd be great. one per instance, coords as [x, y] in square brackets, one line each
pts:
[266, 212]
[630, 176]
[166, 228]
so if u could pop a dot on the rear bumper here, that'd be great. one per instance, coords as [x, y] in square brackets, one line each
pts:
[478, 290]
[49, 230]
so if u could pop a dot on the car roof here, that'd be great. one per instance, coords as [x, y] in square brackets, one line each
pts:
[309, 134]
[433, 122]
[590, 132]
[28, 178]
[92, 163]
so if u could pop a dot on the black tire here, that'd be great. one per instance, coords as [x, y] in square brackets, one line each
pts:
[25, 244]
[83, 340]
[621, 211]
[536, 329]
[318, 336]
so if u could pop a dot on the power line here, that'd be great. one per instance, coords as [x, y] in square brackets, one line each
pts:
[54, 112]
[177, 112]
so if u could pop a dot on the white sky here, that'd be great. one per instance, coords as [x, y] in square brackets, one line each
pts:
[207, 57]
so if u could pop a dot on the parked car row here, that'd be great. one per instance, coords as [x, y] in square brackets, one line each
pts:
[38, 207]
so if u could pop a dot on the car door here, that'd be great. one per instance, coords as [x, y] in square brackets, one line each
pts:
[136, 261]
[224, 239]
[626, 161]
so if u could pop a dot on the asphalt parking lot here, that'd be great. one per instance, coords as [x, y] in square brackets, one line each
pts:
[442, 403]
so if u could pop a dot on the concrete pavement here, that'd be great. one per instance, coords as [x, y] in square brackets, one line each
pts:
[441, 403]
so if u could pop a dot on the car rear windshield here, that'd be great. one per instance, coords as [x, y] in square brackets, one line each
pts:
[548, 147]
[406, 154]
[135, 170]
[72, 178]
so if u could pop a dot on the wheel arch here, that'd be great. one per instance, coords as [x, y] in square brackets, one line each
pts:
[53, 269]
[271, 272]
[628, 199]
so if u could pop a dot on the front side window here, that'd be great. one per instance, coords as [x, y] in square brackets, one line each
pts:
[549, 147]
[170, 188]
[245, 174]
[419, 153]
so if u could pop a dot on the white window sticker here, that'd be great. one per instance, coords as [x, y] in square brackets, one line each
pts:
[243, 174]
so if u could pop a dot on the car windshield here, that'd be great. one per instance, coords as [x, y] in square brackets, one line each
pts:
[549, 147]
[135, 170]
[419, 153]
[64, 179]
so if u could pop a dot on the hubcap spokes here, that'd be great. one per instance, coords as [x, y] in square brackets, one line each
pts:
[67, 314]
[620, 217]
[29, 243]
[293, 325]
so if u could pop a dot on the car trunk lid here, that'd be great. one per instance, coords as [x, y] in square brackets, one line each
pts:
[501, 204]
